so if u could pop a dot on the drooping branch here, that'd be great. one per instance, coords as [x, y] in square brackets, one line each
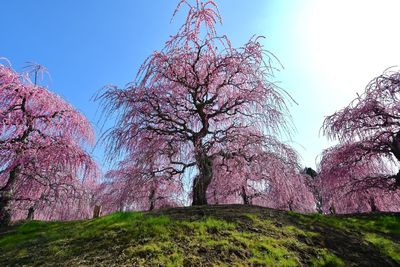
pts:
[42, 141]
[196, 102]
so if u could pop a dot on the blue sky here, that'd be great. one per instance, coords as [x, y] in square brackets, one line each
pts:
[329, 49]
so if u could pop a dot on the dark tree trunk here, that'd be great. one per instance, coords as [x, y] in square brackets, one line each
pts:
[152, 199]
[395, 149]
[372, 204]
[203, 179]
[96, 211]
[5, 209]
[215, 197]
[6, 194]
[290, 204]
[395, 146]
[397, 180]
[332, 209]
[31, 214]
[245, 197]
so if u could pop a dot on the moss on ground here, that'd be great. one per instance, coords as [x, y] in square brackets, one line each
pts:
[224, 236]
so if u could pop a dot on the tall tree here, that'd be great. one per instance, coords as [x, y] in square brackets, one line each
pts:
[369, 130]
[204, 100]
[361, 170]
[42, 139]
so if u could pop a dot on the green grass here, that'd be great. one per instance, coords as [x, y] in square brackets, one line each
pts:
[139, 239]
[387, 246]
[384, 223]
[374, 228]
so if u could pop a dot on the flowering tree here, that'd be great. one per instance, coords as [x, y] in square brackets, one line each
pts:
[271, 179]
[369, 132]
[200, 98]
[133, 185]
[349, 182]
[41, 138]
[371, 124]
[54, 202]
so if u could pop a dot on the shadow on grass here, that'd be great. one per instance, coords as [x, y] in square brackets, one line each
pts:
[204, 236]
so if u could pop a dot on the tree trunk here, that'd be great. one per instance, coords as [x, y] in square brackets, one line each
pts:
[215, 197]
[5, 209]
[395, 149]
[121, 206]
[372, 204]
[203, 179]
[290, 205]
[152, 199]
[245, 197]
[332, 209]
[395, 146]
[6, 194]
[319, 204]
[96, 211]
[31, 214]
[397, 180]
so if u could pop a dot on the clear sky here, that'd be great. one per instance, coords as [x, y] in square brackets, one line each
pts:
[329, 49]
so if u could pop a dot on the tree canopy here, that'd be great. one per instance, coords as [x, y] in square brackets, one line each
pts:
[201, 104]
[42, 139]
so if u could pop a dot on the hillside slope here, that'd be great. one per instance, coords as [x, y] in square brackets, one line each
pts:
[229, 235]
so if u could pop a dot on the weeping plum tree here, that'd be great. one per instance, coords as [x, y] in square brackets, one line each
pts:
[55, 201]
[41, 144]
[133, 185]
[198, 96]
[369, 132]
[249, 178]
[271, 178]
[349, 182]
[128, 188]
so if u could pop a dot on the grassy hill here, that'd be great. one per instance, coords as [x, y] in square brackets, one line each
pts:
[229, 235]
